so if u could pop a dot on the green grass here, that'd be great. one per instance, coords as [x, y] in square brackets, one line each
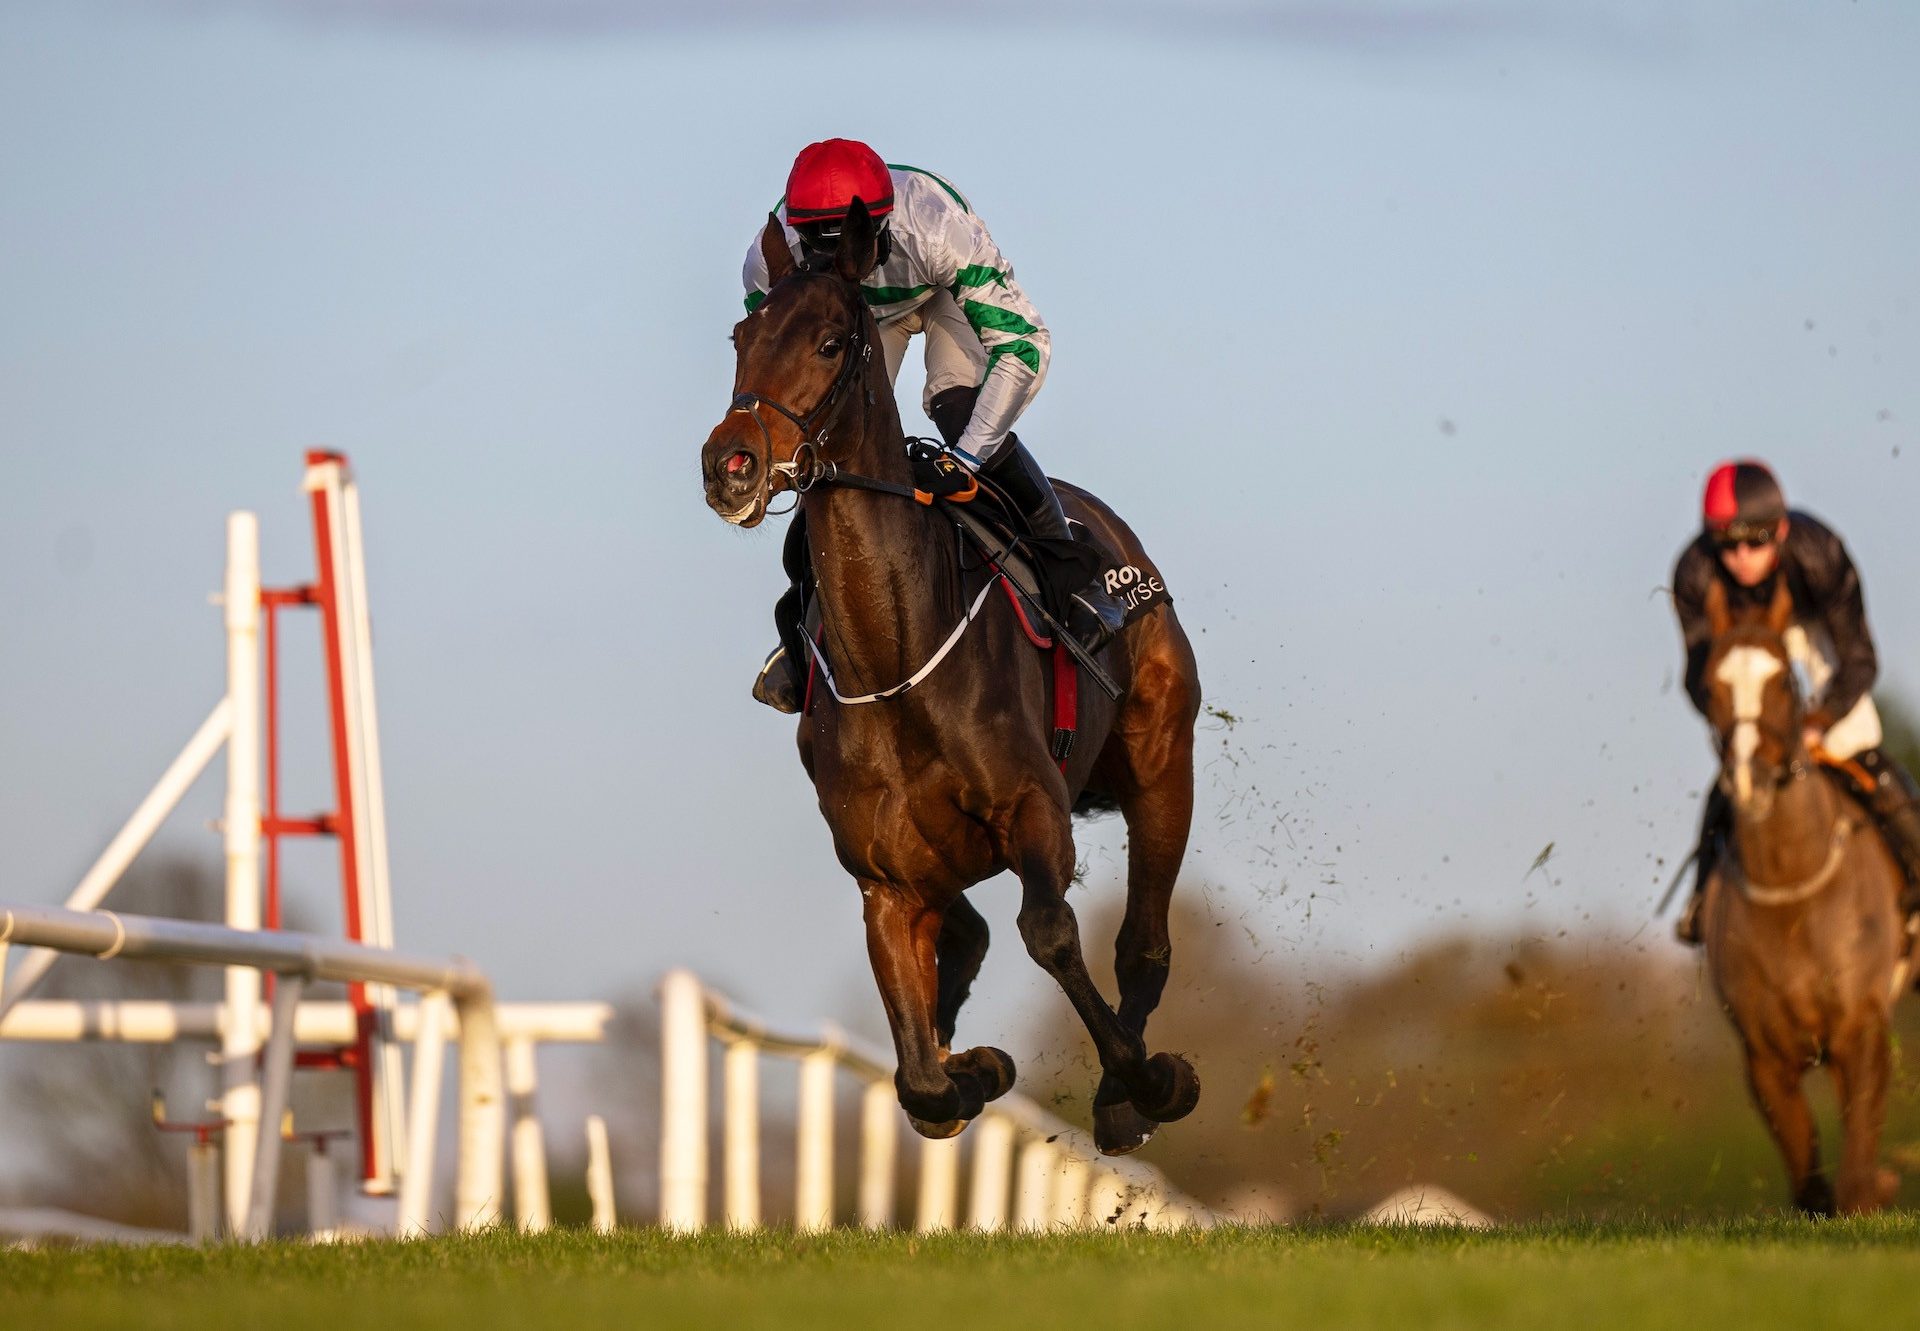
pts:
[1749, 1275]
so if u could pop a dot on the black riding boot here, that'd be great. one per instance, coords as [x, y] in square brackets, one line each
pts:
[1093, 616]
[1895, 801]
[778, 683]
[1716, 826]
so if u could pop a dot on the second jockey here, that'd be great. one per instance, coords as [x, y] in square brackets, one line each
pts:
[939, 275]
[1748, 541]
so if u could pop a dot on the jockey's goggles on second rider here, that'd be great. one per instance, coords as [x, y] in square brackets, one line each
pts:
[1759, 535]
[820, 241]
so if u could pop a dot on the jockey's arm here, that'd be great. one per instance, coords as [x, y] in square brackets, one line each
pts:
[1690, 579]
[961, 257]
[1843, 609]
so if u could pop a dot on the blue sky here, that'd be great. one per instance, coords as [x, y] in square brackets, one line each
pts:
[1403, 333]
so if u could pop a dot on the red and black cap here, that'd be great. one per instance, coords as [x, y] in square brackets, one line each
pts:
[828, 176]
[1742, 495]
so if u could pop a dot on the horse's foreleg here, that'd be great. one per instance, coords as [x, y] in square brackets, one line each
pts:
[1862, 1068]
[939, 1091]
[1162, 1087]
[1775, 1082]
[962, 946]
[902, 932]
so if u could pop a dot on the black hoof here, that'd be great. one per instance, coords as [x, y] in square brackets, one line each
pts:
[1816, 1198]
[990, 1069]
[1120, 1129]
[1176, 1089]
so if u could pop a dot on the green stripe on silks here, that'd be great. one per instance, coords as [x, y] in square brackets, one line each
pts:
[754, 300]
[922, 171]
[992, 316]
[1023, 351]
[975, 277]
[892, 295]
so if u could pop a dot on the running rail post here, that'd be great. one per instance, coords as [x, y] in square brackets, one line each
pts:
[992, 1171]
[1039, 1162]
[1070, 1192]
[879, 1143]
[532, 1200]
[273, 1107]
[483, 1112]
[416, 1177]
[239, 1035]
[599, 1175]
[813, 1180]
[740, 1172]
[683, 1111]
[939, 1203]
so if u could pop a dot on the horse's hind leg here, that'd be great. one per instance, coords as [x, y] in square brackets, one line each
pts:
[1862, 1068]
[1775, 1082]
[1162, 1087]
[1158, 819]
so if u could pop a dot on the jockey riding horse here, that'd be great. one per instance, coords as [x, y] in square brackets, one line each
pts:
[1749, 540]
[941, 275]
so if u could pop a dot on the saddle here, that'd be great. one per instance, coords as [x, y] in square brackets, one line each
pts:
[1046, 572]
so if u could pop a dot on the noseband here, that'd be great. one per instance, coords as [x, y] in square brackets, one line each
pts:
[804, 475]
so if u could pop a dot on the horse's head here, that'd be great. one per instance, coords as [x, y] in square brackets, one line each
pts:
[1753, 700]
[798, 358]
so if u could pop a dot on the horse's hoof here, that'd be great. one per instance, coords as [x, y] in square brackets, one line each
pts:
[939, 1131]
[1120, 1129]
[991, 1068]
[1816, 1198]
[1176, 1086]
[1886, 1185]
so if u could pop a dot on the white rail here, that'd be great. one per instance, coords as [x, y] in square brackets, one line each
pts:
[1030, 1169]
[298, 959]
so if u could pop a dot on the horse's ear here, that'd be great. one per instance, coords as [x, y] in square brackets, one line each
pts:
[1780, 609]
[859, 244]
[773, 249]
[1719, 618]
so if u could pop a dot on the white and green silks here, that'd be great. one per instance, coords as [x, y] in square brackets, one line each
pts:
[939, 245]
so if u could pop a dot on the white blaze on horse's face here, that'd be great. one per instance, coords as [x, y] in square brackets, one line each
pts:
[1745, 671]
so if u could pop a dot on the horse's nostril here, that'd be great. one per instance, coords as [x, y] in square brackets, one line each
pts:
[738, 463]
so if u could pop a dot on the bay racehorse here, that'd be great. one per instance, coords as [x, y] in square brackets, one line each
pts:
[1801, 920]
[930, 790]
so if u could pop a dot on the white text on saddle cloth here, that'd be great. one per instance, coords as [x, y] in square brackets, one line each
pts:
[1132, 587]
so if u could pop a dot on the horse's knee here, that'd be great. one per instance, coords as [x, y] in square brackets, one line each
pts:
[1051, 934]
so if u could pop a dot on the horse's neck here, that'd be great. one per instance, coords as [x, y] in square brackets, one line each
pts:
[881, 562]
[1793, 840]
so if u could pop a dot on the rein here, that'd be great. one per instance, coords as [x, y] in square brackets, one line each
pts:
[805, 476]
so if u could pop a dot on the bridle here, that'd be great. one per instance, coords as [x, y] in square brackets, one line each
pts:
[806, 468]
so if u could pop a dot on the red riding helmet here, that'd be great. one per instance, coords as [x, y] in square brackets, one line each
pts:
[1742, 494]
[827, 177]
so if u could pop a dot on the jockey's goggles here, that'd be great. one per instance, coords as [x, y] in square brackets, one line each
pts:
[1736, 534]
[821, 241]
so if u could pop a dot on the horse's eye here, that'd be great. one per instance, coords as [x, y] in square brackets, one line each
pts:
[831, 347]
